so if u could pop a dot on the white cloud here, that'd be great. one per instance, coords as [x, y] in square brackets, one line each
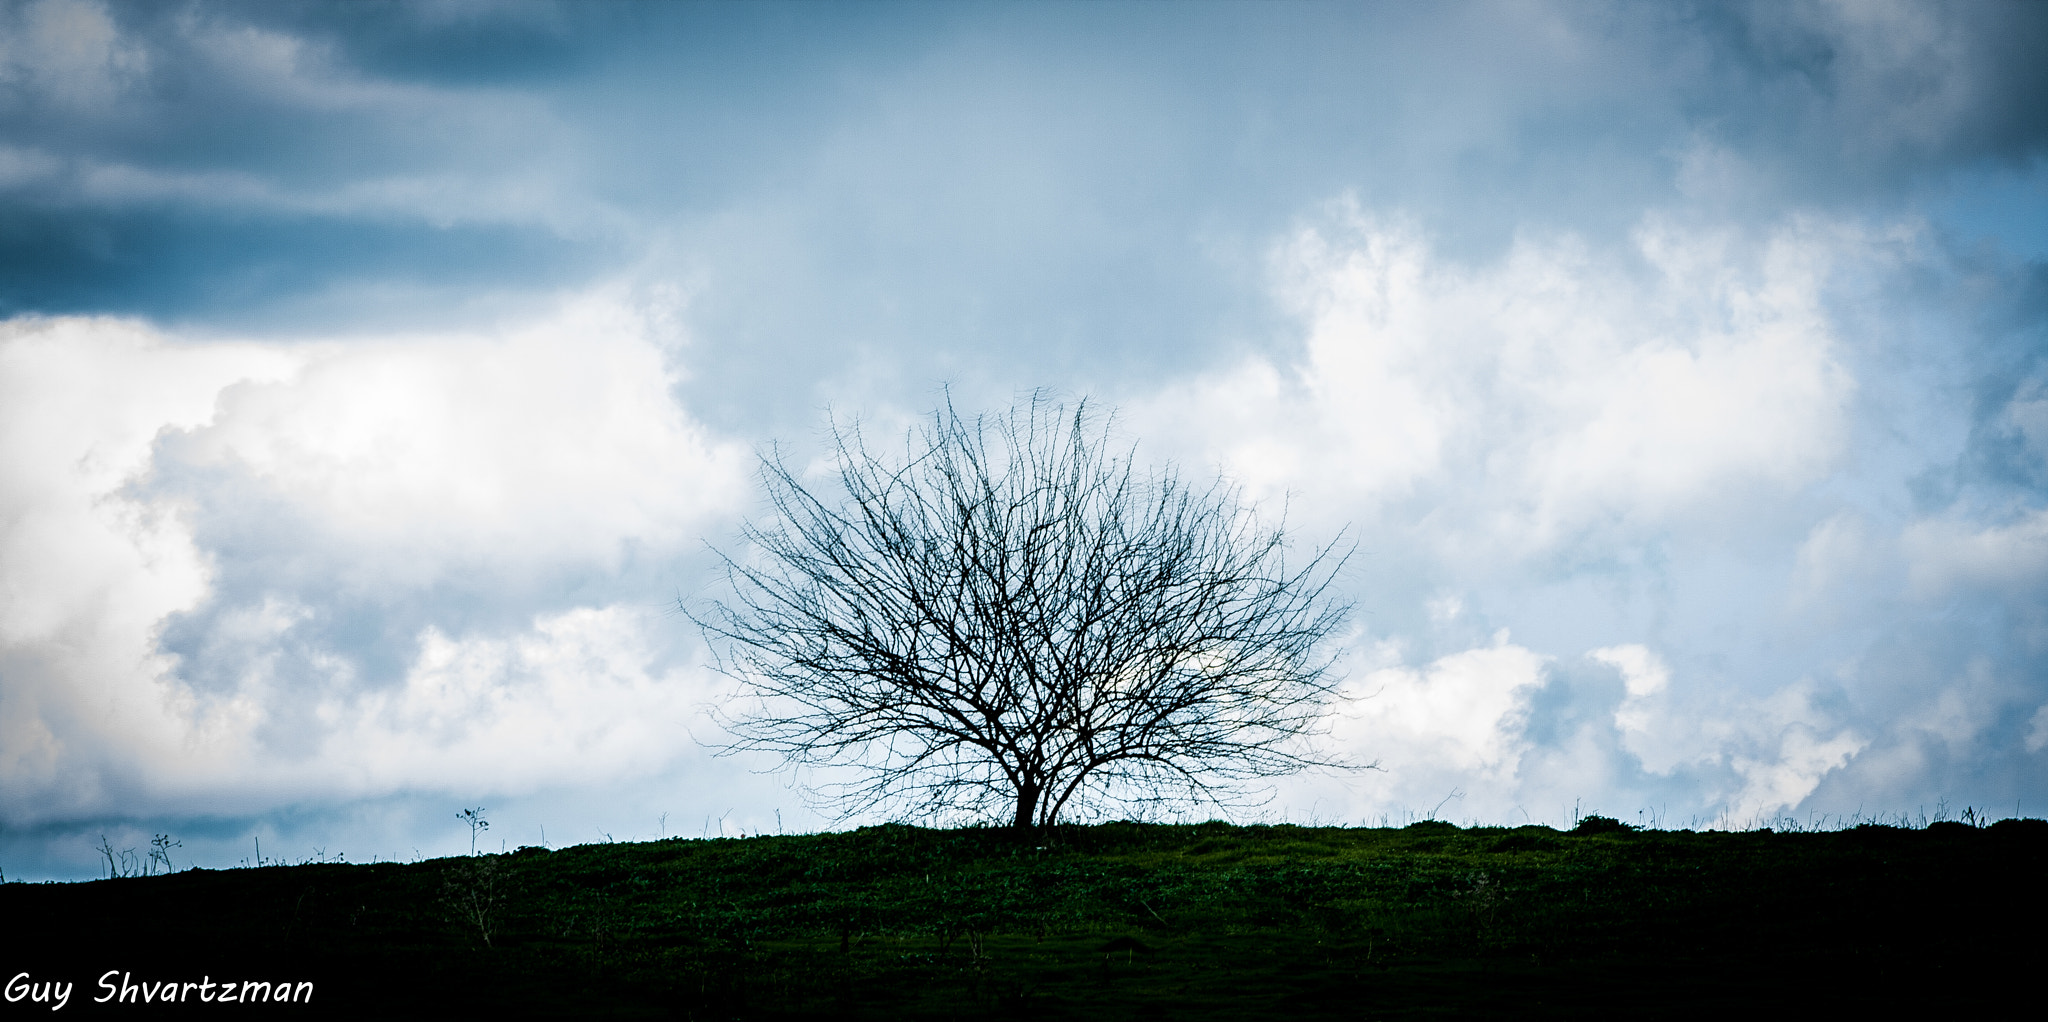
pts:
[1741, 383]
[572, 700]
[369, 467]
[1788, 773]
[558, 444]
[1487, 425]
[1838, 551]
[1461, 733]
[1778, 747]
[1945, 553]
[87, 572]
[1455, 723]
[1643, 718]
[1557, 391]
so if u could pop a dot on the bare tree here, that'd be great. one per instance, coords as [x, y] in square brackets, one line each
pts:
[1014, 619]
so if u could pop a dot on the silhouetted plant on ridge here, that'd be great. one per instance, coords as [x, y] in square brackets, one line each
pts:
[1014, 619]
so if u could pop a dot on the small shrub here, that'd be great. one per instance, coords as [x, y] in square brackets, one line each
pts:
[160, 854]
[1589, 825]
[470, 891]
[474, 819]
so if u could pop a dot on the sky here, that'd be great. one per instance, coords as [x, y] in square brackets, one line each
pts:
[377, 379]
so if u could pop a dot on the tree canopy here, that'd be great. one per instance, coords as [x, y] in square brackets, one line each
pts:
[1013, 620]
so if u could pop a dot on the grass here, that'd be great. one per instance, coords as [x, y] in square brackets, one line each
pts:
[1119, 921]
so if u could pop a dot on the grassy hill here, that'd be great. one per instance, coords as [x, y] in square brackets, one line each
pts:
[1107, 922]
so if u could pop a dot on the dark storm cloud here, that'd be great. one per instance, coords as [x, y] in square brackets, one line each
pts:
[1878, 94]
[181, 161]
[988, 167]
[173, 264]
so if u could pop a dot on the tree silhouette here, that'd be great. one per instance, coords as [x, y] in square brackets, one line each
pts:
[1014, 620]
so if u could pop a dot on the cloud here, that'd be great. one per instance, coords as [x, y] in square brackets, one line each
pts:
[1785, 775]
[1778, 748]
[1645, 677]
[1943, 554]
[87, 573]
[1462, 734]
[264, 74]
[209, 545]
[199, 156]
[1460, 715]
[1670, 448]
[1841, 97]
[575, 699]
[68, 50]
[1558, 394]
[404, 457]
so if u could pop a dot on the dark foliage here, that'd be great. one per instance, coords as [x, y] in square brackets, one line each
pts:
[1601, 825]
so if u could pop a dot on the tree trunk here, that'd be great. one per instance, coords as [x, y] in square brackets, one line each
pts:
[1027, 805]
